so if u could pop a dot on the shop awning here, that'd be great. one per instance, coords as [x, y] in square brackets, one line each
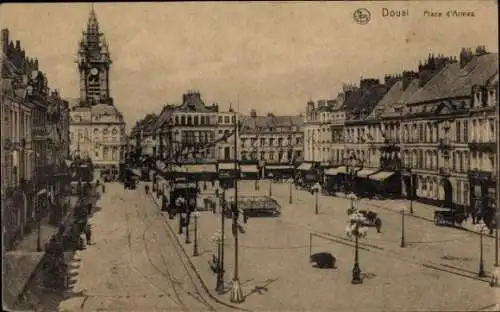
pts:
[189, 185]
[305, 166]
[364, 173]
[200, 168]
[277, 167]
[381, 176]
[136, 172]
[226, 166]
[249, 168]
[335, 171]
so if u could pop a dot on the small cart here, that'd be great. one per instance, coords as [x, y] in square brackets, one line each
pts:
[447, 216]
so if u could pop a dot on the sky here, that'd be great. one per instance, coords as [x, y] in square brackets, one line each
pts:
[268, 56]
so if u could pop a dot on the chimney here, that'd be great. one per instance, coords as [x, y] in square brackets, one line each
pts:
[481, 50]
[18, 45]
[368, 82]
[408, 77]
[5, 40]
[465, 57]
[253, 113]
[310, 106]
[390, 80]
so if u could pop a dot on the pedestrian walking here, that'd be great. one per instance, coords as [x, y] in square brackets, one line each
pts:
[88, 234]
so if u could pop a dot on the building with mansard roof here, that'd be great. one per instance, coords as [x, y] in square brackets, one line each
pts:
[192, 132]
[448, 133]
[97, 127]
[273, 142]
[434, 130]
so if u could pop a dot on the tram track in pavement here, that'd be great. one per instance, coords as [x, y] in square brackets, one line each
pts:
[197, 295]
[376, 249]
[187, 264]
[175, 285]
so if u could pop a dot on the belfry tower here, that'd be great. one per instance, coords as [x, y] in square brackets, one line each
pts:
[94, 63]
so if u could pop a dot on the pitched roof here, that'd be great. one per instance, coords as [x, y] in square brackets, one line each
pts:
[394, 98]
[453, 81]
[390, 98]
[351, 99]
[105, 109]
[165, 115]
[192, 102]
[367, 99]
[267, 122]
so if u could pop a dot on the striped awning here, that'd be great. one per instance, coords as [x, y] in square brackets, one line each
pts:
[277, 167]
[364, 173]
[249, 168]
[305, 166]
[197, 168]
[381, 176]
[335, 171]
[226, 166]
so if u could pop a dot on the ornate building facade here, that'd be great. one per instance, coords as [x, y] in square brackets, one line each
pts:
[274, 140]
[434, 128]
[29, 156]
[97, 129]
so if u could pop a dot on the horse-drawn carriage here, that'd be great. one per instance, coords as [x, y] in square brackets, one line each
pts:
[447, 216]
[370, 218]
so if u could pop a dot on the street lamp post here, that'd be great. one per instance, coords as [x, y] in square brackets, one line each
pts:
[403, 244]
[179, 203]
[481, 227]
[410, 193]
[236, 292]
[355, 228]
[352, 197]
[316, 189]
[290, 200]
[270, 184]
[196, 214]
[220, 245]
[186, 223]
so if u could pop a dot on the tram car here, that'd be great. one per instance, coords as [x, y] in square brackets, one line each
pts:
[82, 180]
[182, 194]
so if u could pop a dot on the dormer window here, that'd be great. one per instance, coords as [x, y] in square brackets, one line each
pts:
[476, 92]
[491, 96]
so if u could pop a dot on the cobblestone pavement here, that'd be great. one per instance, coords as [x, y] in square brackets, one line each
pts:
[134, 265]
[436, 271]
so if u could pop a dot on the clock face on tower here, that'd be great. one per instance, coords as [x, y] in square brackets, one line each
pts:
[94, 71]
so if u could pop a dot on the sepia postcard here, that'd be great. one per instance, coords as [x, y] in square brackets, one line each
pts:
[250, 156]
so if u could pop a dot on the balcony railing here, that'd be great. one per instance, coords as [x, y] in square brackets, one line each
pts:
[486, 145]
[480, 175]
[444, 143]
[445, 171]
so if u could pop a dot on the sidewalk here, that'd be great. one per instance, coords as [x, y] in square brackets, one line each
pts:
[23, 262]
[420, 210]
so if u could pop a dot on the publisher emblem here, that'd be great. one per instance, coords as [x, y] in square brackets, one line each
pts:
[362, 16]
